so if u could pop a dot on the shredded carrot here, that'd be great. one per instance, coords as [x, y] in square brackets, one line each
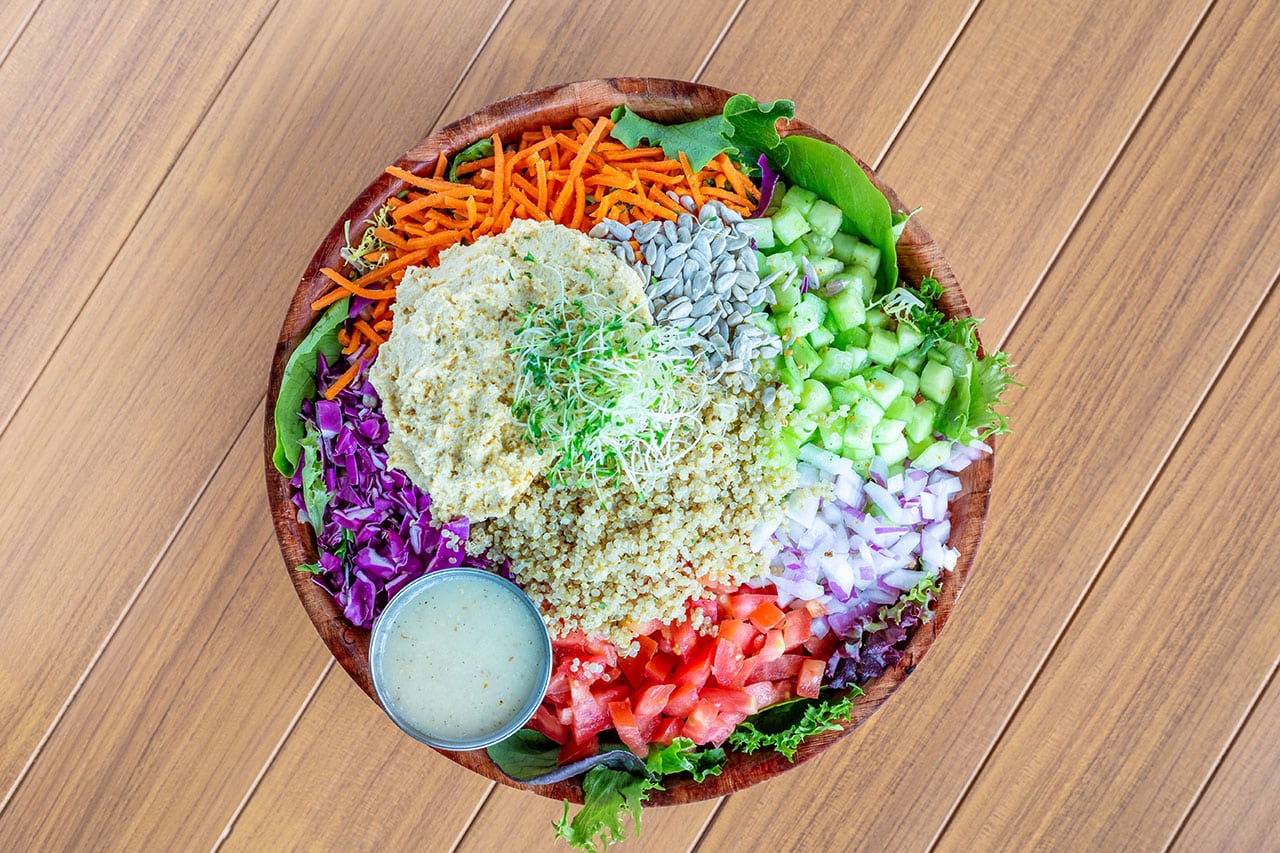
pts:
[343, 381]
[442, 164]
[367, 330]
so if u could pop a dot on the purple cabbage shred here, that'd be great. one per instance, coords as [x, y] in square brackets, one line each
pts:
[768, 180]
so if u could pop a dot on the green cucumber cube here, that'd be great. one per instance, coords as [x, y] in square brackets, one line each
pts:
[759, 230]
[789, 224]
[851, 250]
[877, 319]
[920, 424]
[912, 361]
[909, 337]
[789, 376]
[804, 357]
[848, 308]
[821, 337]
[826, 268]
[883, 347]
[825, 218]
[837, 364]
[933, 455]
[785, 298]
[910, 379]
[815, 245]
[832, 435]
[815, 397]
[803, 318]
[893, 451]
[883, 388]
[784, 452]
[887, 430]
[901, 408]
[782, 262]
[936, 381]
[855, 336]
[800, 199]
[865, 279]
[857, 439]
[866, 411]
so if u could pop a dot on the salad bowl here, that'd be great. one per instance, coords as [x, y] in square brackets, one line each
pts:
[664, 101]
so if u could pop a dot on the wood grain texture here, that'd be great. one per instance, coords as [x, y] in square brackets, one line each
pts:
[181, 709]
[857, 95]
[509, 814]
[544, 42]
[167, 360]
[348, 779]
[1103, 427]
[1239, 804]
[665, 100]
[129, 93]
[1097, 758]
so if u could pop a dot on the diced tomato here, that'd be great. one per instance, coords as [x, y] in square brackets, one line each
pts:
[558, 687]
[822, 647]
[648, 725]
[729, 702]
[624, 721]
[659, 666]
[810, 678]
[633, 668]
[787, 666]
[700, 722]
[718, 731]
[590, 715]
[741, 605]
[607, 693]
[668, 730]
[696, 668]
[572, 751]
[728, 662]
[682, 700]
[770, 692]
[736, 632]
[546, 721]
[815, 609]
[709, 607]
[652, 699]
[683, 638]
[766, 616]
[774, 645]
[796, 628]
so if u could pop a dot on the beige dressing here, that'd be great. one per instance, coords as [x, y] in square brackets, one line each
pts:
[461, 659]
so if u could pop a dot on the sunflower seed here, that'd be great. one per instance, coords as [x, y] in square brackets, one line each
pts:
[733, 217]
[682, 322]
[676, 249]
[703, 324]
[646, 231]
[769, 396]
[758, 296]
[688, 203]
[599, 231]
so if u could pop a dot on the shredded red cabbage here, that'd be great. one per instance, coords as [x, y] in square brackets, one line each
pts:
[768, 180]
[376, 534]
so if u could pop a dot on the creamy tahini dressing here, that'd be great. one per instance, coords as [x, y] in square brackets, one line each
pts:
[461, 660]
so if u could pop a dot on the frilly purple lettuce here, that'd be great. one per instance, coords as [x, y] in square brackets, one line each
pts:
[376, 534]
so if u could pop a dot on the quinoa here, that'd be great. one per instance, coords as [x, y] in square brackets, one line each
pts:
[607, 569]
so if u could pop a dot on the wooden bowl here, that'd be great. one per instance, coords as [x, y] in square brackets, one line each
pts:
[666, 101]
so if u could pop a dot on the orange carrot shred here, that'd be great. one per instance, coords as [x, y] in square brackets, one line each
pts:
[343, 381]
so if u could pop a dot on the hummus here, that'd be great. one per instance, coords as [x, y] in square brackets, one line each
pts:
[446, 377]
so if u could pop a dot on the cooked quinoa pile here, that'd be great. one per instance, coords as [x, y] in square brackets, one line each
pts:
[606, 568]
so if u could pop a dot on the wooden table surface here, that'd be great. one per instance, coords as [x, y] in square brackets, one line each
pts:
[1104, 176]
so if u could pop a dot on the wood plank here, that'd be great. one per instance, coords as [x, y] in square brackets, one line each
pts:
[1239, 803]
[180, 711]
[347, 778]
[1103, 428]
[166, 362]
[856, 95]
[541, 43]
[1174, 643]
[74, 179]
[509, 813]
[14, 17]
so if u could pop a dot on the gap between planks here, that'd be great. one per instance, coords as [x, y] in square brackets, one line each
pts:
[17, 35]
[1164, 462]
[1226, 750]
[35, 380]
[182, 521]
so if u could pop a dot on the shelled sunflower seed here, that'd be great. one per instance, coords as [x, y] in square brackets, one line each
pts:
[702, 276]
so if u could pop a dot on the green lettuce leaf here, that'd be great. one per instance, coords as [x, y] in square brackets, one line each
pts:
[299, 383]
[682, 756]
[744, 130]
[475, 151]
[315, 495]
[785, 726]
[837, 178]
[607, 796]
[525, 754]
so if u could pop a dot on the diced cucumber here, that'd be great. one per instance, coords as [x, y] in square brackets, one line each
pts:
[816, 245]
[855, 336]
[779, 192]
[789, 224]
[883, 347]
[865, 278]
[801, 319]
[910, 380]
[887, 430]
[783, 262]
[909, 337]
[802, 426]
[913, 361]
[761, 257]
[800, 199]
[815, 397]
[933, 455]
[901, 408]
[857, 441]
[759, 230]
[822, 337]
[848, 308]
[785, 297]
[763, 321]
[851, 250]
[791, 377]
[936, 381]
[892, 452]
[866, 411]
[920, 424]
[804, 357]
[843, 395]
[877, 319]
[883, 388]
[825, 218]
[837, 364]
[784, 452]
[826, 268]
[829, 322]
[832, 435]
